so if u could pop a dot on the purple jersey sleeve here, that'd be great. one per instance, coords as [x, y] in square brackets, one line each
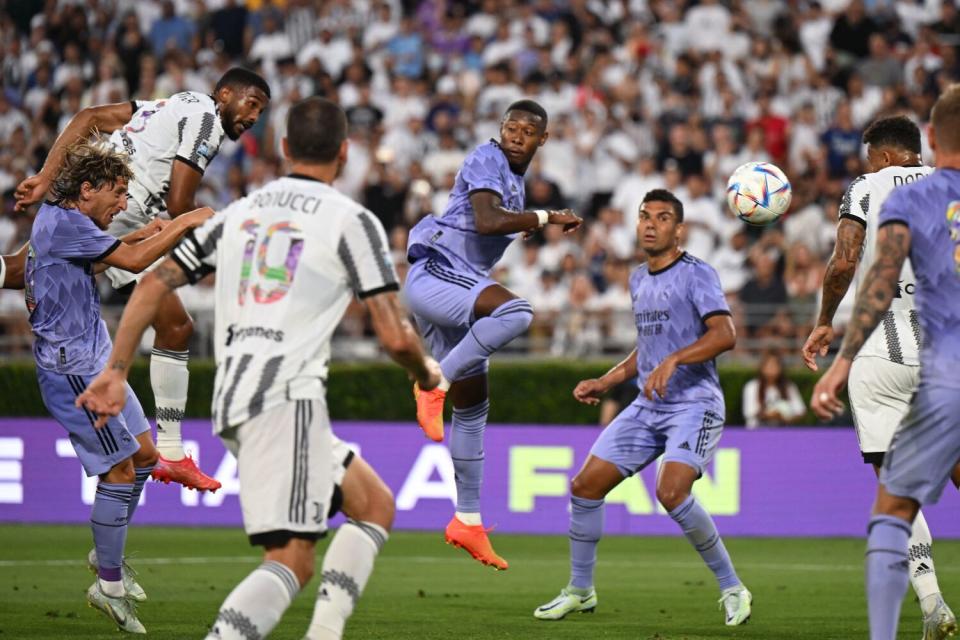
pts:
[481, 171]
[706, 294]
[896, 208]
[78, 238]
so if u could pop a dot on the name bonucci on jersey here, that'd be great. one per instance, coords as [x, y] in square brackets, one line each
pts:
[897, 337]
[185, 126]
[289, 258]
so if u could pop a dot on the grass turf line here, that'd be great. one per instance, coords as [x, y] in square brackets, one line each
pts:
[649, 588]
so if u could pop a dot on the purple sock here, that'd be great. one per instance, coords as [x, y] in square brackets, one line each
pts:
[487, 335]
[698, 527]
[887, 573]
[142, 474]
[586, 527]
[109, 523]
[466, 449]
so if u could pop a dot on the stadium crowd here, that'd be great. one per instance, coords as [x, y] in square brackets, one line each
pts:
[640, 94]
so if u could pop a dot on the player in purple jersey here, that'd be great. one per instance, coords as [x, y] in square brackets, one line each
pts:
[683, 323]
[71, 346]
[920, 220]
[465, 315]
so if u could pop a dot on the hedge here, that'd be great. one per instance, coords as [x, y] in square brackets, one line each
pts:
[521, 392]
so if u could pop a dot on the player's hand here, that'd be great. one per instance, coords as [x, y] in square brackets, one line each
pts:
[197, 217]
[152, 228]
[817, 344]
[589, 391]
[565, 217]
[433, 374]
[30, 191]
[105, 396]
[659, 378]
[825, 401]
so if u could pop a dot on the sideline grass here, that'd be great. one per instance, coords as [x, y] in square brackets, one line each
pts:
[649, 588]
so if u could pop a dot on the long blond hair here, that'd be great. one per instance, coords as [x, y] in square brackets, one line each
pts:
[95, 161]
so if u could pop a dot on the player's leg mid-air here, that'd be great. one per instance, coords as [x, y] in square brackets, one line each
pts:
[683, 323]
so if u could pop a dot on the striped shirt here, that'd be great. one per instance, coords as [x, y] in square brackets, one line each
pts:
[289, 258]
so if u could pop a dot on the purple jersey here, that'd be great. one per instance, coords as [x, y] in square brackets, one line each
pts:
[454, 234]
[671, 307]
[61, 292]
[931, 209]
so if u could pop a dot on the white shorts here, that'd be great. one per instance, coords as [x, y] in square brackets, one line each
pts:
[880, 393]
[286, 465]
[128, 221]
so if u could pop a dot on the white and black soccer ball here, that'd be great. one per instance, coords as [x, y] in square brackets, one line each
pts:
[759, 193]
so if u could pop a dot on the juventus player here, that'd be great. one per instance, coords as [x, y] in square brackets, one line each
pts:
[170, 143]
[289, 257]
[885, 372]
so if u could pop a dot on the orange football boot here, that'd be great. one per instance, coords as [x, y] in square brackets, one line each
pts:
[185, 472]
[430, 411]
[473, 539]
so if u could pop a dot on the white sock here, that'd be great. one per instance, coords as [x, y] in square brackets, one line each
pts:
[112, 588]
[922, 574]
[255, 606]
[470, 519]
[347, 566]
[444, 383]
[169, 378]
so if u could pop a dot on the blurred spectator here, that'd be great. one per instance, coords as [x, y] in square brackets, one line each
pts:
[771, 399]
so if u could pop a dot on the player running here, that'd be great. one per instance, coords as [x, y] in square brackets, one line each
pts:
[683, 324]
[885, 372]
[920, 220]
[170, 143]
[71, 347]
[289, 257]
[463, 314]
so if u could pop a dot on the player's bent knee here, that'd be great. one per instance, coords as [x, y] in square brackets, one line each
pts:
[175, 335]
[671, 497]
[121, 473]
[515, 315]
[294, 550]
[581, 488]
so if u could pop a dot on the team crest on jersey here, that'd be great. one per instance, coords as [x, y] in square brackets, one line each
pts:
[205, 150]
[953, 222]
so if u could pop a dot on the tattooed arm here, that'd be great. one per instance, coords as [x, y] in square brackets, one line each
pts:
[836, 282]
[106, 395]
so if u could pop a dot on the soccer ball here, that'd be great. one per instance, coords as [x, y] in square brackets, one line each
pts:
[758, 193]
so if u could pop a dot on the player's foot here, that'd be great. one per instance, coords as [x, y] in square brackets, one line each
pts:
[735, 603]
[184, 472]
[565, 603]
[430, 411]
[121, 610]
[473, 539]
[941, 623]
[134, 590]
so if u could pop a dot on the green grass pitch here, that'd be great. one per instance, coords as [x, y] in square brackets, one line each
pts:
[649, 588]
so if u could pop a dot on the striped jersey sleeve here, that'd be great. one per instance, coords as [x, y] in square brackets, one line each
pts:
[197, 251]
[365, 255]
[198, 139]
[856, 201]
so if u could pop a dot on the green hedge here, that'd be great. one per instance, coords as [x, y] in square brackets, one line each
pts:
[531, 392]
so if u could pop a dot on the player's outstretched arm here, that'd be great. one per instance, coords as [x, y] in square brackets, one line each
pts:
[873, 300]
[836, 282]
[105, 119]
[396, 334]
[720, 336]
[12, 268]
[137, 257]
[493, 219]
[590, 391]
[107, 394]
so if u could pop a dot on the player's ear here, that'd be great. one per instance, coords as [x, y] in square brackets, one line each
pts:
[343, 152]
[543, 138]
[931, 138]
[225, 94]
[285, 147]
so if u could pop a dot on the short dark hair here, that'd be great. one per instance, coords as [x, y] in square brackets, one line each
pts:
[316, 127]
[893, 131]
[664, 195]
[529, 106]
[945, 119]
[240, 78]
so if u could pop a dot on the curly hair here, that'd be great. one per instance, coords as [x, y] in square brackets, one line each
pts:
[93, 161]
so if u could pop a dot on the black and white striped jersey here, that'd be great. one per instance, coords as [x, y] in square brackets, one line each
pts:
[186, 126]
[897, 338]
[289, 258]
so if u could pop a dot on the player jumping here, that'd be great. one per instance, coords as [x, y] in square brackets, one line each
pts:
[885, 372]
[71, 347]
[921, 221]
[170, 143]
[463, 314]
[683, 324]
[289, 257]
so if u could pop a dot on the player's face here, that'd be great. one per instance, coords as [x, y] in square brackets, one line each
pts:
[521, 133]
[242, 109]
[877, 159]
[657, 227]
[104, 203]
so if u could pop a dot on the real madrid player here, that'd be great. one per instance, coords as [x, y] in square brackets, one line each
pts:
[886, 370]
[170, 143]
[289, 257]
